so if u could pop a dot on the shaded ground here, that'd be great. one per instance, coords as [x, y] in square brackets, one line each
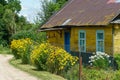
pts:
[8, 72]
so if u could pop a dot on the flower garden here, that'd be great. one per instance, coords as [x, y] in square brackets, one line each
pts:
[46, 57]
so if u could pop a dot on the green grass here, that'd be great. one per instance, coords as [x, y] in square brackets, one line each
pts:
[43, 75]
[4, 50]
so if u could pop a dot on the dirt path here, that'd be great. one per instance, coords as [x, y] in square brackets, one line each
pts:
[8, 72]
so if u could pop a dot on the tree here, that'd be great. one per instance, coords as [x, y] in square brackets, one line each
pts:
[48, 9]
[10, 21]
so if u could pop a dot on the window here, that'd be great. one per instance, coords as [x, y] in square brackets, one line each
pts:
[82, 41]
[100, 40]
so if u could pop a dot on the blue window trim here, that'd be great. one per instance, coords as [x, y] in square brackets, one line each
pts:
[83, 31]
[100, 31]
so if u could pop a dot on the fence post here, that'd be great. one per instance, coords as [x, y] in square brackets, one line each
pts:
[80, 65]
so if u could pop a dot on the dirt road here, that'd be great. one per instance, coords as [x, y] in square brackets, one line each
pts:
[8, 72]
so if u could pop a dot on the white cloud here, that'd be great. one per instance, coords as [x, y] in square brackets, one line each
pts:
[117, 1]
[24, 8]
[30, 8]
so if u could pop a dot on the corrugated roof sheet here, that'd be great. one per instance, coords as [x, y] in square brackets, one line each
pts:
[85, 12]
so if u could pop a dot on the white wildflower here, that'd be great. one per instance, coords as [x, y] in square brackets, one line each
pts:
[109, 61]
[91, 64]
[89, 61]
[108, 56]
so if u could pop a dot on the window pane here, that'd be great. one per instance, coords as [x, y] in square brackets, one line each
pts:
[82, 45]
[99, 35]
[82, 35]
[100, 46]
[82, 42]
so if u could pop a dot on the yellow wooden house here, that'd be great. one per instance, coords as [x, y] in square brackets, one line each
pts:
[86, 26]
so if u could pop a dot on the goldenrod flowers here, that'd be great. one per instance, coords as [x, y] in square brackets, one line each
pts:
[44, 56]
[51, 58]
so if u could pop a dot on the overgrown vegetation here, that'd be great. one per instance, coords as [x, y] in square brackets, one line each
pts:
[92, 74]
[10, 21]
[4, 50]
[100, 60]
[53, 59]
[44, 56]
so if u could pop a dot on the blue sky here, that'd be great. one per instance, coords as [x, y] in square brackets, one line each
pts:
[30, 9]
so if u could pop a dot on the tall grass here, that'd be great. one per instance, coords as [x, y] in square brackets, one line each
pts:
[4, 50]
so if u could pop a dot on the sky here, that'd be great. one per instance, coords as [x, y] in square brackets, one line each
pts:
[30, 8]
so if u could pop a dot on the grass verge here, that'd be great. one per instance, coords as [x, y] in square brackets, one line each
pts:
[4, 50]
[43, 75]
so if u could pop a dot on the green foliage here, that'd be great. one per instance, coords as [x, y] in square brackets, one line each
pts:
[14, 5]
[117, 59]
[48, 9]
[91, 74]
[36, 36]
[10, 21]
[100, 60]
[8, 10]
[4, 50]
[73, 73]
[40, 55]
[21, 49]
[52, 59]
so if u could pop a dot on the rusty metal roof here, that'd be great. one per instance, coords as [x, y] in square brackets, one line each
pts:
[84, 13]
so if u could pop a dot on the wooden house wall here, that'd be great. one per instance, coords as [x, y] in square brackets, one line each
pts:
[117, 39]
[56, 38]
[91, 38]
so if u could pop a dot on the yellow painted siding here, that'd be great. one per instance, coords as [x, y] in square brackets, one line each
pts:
[91, 38]
[56, 38]
[116, 39]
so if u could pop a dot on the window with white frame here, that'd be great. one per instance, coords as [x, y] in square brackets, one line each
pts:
[100, 40]
[82, 41]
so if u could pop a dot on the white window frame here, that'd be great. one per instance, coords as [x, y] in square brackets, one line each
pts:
[100, 31]
[82, 31]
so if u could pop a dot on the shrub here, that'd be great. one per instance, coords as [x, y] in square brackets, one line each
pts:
[73, 73]
[38, 37]
[91, 74]
[53, 59]
[117, 59]
[100, 60]
[40, 55]
[116, 75]
[59, 60]
[21, 49]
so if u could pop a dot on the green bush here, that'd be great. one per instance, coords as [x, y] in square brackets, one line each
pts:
[40, 55]
[91, 74]
[36, 36]
[5, 50]
[21, 49]
[73, 73]
[116, 75]
[3, 42]
[51, 58]
[117, 59]
[100, 60]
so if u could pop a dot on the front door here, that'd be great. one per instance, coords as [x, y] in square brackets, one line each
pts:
[67, 41]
